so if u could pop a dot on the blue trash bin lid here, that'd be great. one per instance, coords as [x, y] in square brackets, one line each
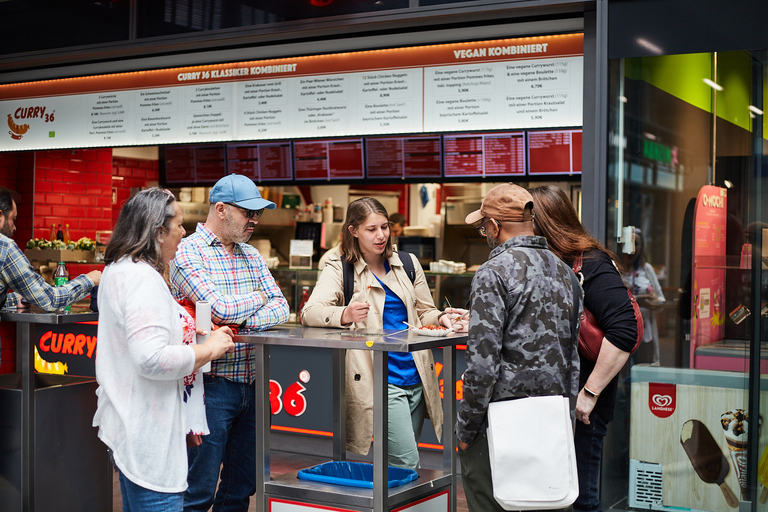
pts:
[355, 474]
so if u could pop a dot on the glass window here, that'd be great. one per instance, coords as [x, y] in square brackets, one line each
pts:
[686, 217]
[158, 18]
[30, 26]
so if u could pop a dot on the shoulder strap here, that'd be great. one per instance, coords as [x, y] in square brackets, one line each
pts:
[347, 278]
[574, 324]
[408, 265]
[348, 273]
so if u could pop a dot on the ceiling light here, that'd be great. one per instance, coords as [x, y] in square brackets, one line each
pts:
[756, 110]
[649, 46]
[623, 99]
[727, 184]
[713, 85]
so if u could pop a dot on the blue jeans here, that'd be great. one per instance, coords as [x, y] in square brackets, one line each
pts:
[139, 499]
[231, 418]
[589, 451]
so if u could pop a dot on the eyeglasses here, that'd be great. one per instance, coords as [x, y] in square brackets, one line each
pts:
[249, 214]
[481, 228]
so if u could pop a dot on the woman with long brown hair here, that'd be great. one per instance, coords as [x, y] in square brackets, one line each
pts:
[605, 295]
[384, 297]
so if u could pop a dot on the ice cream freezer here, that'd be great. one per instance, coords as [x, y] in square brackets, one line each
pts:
[688, 439]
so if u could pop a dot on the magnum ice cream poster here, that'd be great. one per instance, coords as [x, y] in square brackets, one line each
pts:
[710, 217]
[698, 434]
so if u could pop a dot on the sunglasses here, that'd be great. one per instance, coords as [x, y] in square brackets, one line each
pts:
[249, 214]
[481, 228]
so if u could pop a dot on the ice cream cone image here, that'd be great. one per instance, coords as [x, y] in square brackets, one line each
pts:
[735, 429]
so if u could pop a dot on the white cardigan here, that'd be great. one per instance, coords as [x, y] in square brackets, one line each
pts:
[140, 366]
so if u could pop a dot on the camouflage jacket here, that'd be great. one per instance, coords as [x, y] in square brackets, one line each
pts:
[520, 340]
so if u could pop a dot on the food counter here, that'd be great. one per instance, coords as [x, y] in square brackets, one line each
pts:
[50, 456]
[434, 489]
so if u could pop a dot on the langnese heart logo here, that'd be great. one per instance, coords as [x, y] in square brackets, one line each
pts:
[662, 399]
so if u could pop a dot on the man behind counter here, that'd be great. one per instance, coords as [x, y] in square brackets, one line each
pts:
[216, 264]
[17, 273]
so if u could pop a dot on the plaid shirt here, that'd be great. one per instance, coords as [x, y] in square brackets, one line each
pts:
[203, 270]
[17, 273]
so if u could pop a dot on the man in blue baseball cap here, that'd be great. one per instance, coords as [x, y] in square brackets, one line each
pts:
[216, 264]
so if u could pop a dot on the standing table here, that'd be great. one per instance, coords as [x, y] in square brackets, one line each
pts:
[433, 490]
[50, 456]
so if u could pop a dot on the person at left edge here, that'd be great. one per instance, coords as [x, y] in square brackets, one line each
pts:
[147, 365]
[215, 264]
[17, 274]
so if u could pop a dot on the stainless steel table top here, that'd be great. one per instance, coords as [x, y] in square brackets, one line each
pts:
[384, 340]
[35, 315]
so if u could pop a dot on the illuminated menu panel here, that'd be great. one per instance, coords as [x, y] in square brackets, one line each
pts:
[413, 156]
[484, 154]
[265, 161]
[210, 163]
[328, 159]
[194, 164]
[179, 164]
[554, 152]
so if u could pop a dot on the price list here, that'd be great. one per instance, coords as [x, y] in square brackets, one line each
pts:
[328, 159]
[554, 152]
[108, 116]
[484, 154]
[504, 154]
[269, 161]
[416, 156]
[179, 164]
[210, 163]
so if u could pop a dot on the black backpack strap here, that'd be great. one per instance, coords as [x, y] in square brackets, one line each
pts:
[408, 265]
[348, 273]
[347, 278]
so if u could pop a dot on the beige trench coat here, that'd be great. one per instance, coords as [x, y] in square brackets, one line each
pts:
[324, 309]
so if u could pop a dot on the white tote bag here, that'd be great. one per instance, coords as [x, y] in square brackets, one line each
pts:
[533, 459]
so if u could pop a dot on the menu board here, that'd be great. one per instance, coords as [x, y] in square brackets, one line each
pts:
[484, 154]
[554, 152]
[328, 159]
[503, 84]
[261, 161]
[194, 164]
[411, 156]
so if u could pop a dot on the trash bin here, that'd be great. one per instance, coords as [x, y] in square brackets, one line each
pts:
[355, 474]
[71, 467]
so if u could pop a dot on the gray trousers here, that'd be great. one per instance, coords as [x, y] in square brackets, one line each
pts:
[476, 477]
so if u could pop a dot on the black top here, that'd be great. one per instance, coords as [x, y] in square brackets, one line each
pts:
[605, 295]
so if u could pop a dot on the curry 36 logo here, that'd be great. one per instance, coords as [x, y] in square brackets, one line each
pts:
[16, 121]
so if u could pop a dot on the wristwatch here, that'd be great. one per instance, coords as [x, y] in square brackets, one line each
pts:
[591, 393]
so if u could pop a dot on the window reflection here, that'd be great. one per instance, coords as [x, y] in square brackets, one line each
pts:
[684, 176]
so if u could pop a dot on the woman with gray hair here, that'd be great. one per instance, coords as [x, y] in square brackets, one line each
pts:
[147, 363]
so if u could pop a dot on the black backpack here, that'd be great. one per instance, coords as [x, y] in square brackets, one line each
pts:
[348, 273]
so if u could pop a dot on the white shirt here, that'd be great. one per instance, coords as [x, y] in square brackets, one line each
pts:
[140, 368]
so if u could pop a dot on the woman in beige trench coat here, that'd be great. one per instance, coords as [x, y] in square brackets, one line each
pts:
[383, 294]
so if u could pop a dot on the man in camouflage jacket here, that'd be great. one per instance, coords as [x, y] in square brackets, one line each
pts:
[520, 332]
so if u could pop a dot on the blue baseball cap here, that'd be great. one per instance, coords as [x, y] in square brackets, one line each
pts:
[240, 190]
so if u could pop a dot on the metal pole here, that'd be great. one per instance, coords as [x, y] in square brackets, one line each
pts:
[380, 431]
[755, 331]
[339, 405]
[25, 361]
[449, 417]
[263, 420]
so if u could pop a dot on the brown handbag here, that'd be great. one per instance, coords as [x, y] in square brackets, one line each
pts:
[590, 334]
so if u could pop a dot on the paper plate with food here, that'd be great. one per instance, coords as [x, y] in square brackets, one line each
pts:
[432, 330]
